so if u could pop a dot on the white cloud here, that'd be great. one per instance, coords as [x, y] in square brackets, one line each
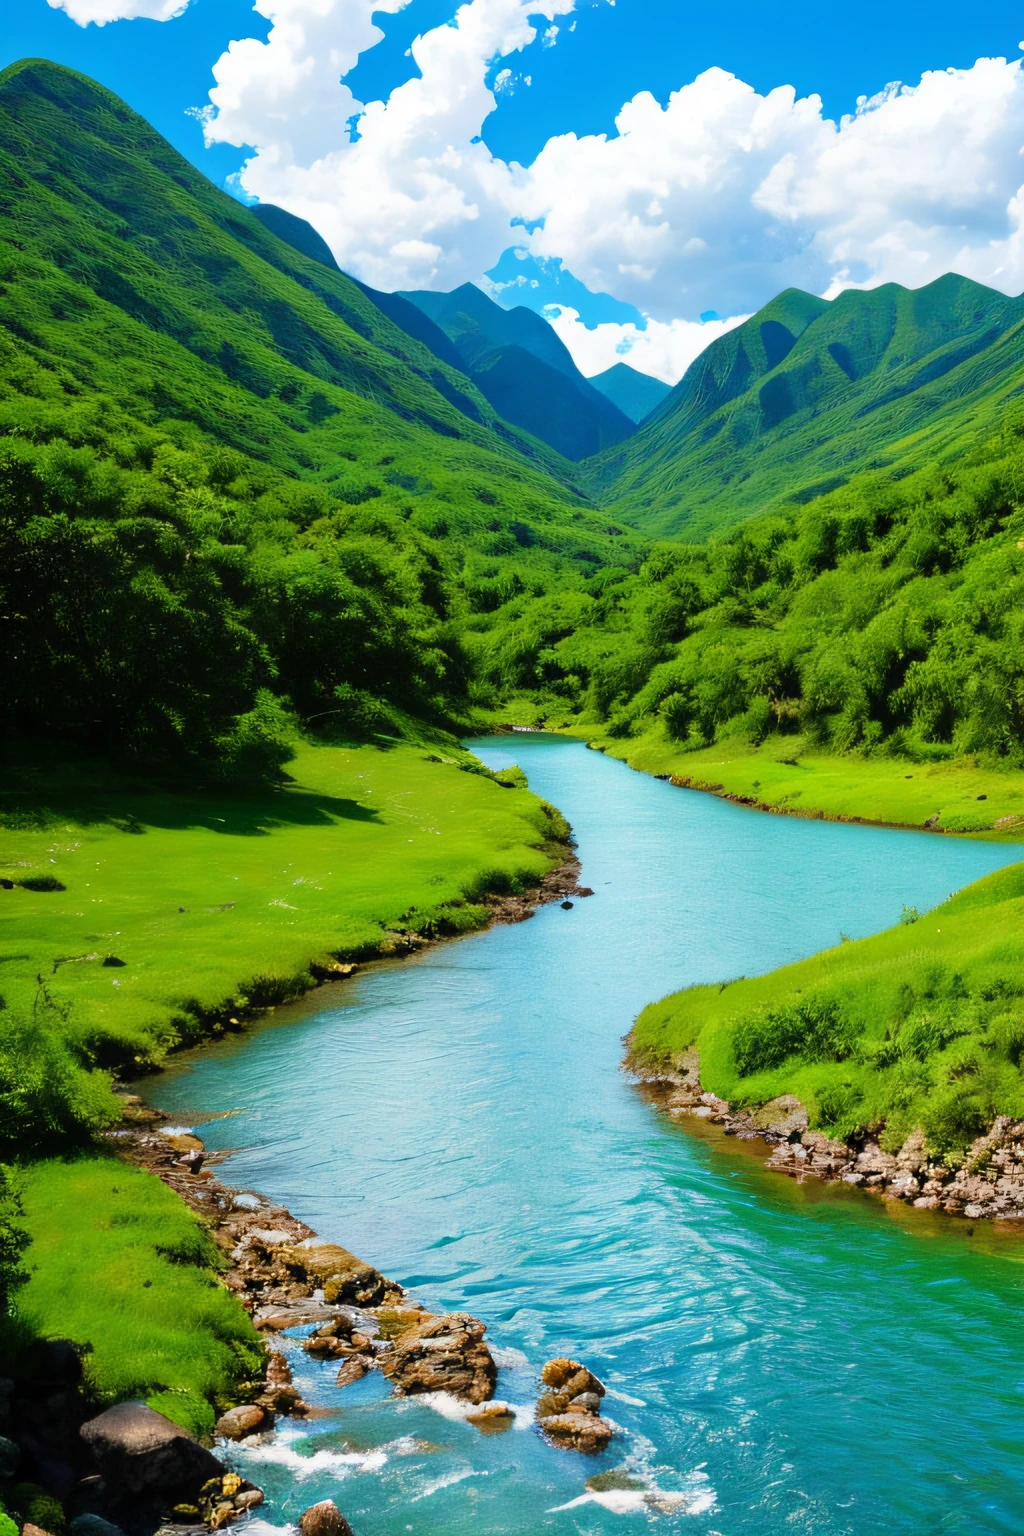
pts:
[663, 350]
[102, 11]
[723, 197]
[716, 200]
[417, 200]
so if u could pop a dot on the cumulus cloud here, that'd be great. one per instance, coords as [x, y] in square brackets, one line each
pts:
[412, 197]
[102, 11]
[715, 200]
[663, 350]
[724, 197]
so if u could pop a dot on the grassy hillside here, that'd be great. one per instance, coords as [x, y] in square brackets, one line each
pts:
[636, 394]
[155, 915]
[921, 1025]
[883, 619]
[203, 434]
[524, 369]
[806, 394]
[118, 1263]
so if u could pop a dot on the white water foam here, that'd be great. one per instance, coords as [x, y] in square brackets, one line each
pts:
[455, 1410]
[508, 1359]
[448, 1481]
[620, 1397]
[632, 1501]
[342, 1463]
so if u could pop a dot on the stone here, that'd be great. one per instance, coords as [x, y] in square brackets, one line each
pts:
[324, 1519]
[586, 1402]
[28, 1529]
[93, 1525]
[341, 1276]
[492, 1416]
[781, 1116]
[138, 1450]
[583, 1432]
[249, 1498]
[353, 1370]
[442, 1354]
[10, 1455]
[244, 1420]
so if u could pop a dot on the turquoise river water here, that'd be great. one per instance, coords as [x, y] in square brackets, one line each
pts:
[782, 1359]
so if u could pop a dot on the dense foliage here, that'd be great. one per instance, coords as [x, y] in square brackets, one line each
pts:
[13, 1241]
[232, 492]
[888, 615]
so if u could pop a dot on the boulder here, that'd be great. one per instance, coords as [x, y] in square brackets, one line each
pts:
[493, 1417]
[324, 1519]
[354, 1369]
[138, 1451]
[93, 1525]
[10, 1455]
[339, 1274]
[443, 1354]
[781, 1116]
[566, 1380]
[583, 1432]
[244, 1420]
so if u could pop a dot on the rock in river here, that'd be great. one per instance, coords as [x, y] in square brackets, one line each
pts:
[569, 1410]
[442, 1354]
[324, 1519]
[244, 1420]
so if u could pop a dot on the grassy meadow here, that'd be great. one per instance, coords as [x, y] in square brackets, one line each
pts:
[118, 1263]
[920, 1025]
[968, 795]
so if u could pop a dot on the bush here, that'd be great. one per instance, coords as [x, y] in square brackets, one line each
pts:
[814, 1028]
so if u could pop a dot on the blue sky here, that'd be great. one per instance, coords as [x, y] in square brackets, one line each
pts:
[598, 55]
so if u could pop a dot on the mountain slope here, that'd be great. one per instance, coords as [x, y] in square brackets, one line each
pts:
[636, 394]
[806, 393]
[526, 372]
[231, 486]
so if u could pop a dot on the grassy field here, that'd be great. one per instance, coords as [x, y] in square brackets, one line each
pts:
[213, 905]
[920, 1025]
[967, 795]
[213, 902]
[120, 1264]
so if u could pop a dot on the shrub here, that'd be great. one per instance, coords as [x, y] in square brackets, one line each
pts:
[814, 1028]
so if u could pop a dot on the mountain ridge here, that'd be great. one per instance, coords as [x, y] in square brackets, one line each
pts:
[807, 392]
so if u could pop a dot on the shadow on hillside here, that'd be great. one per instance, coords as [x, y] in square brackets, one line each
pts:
[41, 795]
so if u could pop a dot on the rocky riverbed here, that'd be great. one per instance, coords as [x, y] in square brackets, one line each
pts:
[988, 1182]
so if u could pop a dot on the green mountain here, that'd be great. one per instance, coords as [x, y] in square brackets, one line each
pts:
[301, 234]
[524, 370]
[231, 486]
[636, 394]
[806, 393]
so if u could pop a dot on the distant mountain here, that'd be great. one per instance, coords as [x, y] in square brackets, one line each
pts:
[526, 372]
[636, 394]
[807, 393]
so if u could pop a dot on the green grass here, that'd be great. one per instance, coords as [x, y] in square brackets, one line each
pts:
[119, 1264]
[787, 774]
[363, 840]
[920, 1025]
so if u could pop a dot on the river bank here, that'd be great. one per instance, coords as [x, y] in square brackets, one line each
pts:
[988, 1183]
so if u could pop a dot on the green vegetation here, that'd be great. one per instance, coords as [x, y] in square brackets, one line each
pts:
[886, 618]
[184, 910]
[119, 1264]
[232, 492]
[921, 1025]
[806, 394]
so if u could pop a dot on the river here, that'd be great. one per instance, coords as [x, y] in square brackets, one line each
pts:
[782, 1359]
